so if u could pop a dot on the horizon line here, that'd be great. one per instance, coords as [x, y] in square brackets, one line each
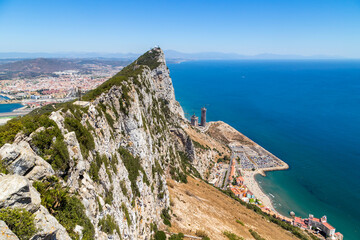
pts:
[189, 55]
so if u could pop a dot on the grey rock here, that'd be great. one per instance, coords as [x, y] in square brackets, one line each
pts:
[17, 192]
[20, 159]
[6, 233]
[51, 229]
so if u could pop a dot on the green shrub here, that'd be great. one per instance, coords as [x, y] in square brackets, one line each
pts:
[186, 165]
[179, 236]
[256, 235]
[166, 216]
[89, 126]
[240, 222]
[123, 187]
[232, 236]
[9, 131]
[133, 166]
[108, 225]
[109, 196]
[149, 59]
[312, 236]
[160, 235]
[94, 171]
[2, 167]
[99, 204]
[114, 162]
[225, 159]
[201, 233]
[59, 155]
[76, 110]
[126, 212]
[110, 120]
[177, 175]
[65, 207]
[199, 145]
[96, 164]
[28, 124]
[20, 222]
[83, 135]
[55, 152]
[120, 79]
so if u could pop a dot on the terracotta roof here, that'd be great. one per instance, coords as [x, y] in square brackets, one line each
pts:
[328, 226]
[315, 219]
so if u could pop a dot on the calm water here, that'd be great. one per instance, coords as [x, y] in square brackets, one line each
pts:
[9, 107]
[305, 112]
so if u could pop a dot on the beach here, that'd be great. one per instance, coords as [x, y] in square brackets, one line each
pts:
[252, 184]
[3, 120]
[9, 111]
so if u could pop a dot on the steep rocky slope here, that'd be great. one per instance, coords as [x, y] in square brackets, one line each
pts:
[112, 152]
[97, 168]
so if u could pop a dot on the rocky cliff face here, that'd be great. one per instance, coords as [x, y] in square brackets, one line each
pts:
[111, 151]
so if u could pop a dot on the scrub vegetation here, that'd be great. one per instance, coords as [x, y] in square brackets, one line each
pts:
[65, 207]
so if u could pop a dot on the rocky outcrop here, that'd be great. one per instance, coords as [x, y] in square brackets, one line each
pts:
[6, 233]
[17, 192]
[121, 146]
[163, 85]
[50, 227]
[185, 143]
[19, 158]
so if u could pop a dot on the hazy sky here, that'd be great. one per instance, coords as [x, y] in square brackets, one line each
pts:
[307, 27]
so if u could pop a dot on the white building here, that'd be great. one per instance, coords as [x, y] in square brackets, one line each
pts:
[324, 226]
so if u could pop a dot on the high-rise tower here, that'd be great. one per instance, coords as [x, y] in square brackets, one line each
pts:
[79, 93]
[203, 116]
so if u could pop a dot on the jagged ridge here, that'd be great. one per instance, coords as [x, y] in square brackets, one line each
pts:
[112, 152]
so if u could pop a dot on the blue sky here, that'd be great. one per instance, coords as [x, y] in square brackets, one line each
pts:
[330, 27]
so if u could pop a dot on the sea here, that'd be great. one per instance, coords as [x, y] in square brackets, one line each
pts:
[306, 112]
[9, 107]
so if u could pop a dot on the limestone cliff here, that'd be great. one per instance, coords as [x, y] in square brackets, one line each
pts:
[113, 151]
[97, 168]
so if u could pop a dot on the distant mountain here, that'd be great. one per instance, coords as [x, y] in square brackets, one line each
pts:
[47, 66]
[39, 65]
[24, 55]
[171, 54]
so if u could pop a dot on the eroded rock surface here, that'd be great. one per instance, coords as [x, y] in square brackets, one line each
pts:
[17, 192]
[6, 233]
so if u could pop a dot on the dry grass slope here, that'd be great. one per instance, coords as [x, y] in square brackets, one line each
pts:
[199, 206]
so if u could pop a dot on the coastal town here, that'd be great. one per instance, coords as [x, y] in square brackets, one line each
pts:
[57, 87]
[63, 85]
[237, 174]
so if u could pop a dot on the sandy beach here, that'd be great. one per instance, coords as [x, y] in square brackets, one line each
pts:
[3, 120]
[250, 182]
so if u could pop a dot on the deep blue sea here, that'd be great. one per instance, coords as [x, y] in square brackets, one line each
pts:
[305, 112]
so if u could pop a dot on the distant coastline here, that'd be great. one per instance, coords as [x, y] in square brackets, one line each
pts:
[2, 97]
